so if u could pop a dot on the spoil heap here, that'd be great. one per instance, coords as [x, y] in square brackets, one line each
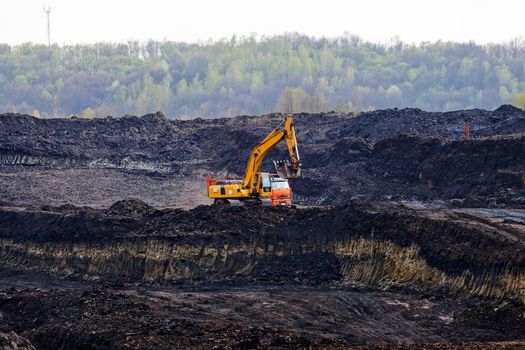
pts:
[406, 154]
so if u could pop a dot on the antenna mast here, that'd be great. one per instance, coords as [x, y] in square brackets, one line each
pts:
[47, 11]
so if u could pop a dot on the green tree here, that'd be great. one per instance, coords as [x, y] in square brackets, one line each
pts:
[254, 76]
[294, 100]
[257, 81]
[88, 113]
[519, 101]
[182, 87]
[212, 79]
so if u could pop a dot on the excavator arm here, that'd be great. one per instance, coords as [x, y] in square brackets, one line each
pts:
[289, 169]
[286, 169]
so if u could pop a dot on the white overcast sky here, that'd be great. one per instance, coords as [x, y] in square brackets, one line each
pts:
[82, 21]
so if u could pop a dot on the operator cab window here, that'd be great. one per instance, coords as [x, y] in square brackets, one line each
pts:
[265, 182]
[280, 183]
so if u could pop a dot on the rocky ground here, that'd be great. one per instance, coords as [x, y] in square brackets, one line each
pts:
[248, 318]
[381, 155]
[407, 234]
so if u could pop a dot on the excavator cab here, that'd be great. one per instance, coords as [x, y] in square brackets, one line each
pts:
[281, 191]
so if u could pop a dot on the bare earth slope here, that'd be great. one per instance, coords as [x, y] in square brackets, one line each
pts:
[411, 236]
[163, 162]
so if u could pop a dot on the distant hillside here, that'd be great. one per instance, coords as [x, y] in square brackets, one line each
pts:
[288, 73]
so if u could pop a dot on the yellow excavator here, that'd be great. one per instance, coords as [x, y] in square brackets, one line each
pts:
[257, 187]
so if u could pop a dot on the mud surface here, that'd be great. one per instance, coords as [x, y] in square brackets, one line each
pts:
[407, 236]
[163, 318]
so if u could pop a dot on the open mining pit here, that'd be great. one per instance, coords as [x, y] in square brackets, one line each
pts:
[405, 236]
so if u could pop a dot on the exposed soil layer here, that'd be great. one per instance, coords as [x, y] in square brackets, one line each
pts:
[384, 245]
[344, 156]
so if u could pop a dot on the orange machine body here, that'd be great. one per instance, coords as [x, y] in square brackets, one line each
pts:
[273, 189]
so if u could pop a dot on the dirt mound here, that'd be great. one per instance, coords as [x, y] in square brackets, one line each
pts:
[452, 169]
[415, 167]
[129, 207]
[350, 150]
[133, 142]
[344, 156]
[384, 124]
[12, 341]
[508, 109]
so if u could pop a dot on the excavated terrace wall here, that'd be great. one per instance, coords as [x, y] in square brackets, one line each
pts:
[364, 251]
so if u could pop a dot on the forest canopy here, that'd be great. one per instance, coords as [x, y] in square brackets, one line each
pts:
[249, 75]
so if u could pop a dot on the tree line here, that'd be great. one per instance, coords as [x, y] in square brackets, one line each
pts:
[250, 75]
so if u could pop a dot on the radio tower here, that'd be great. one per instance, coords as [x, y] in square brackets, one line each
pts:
[47, 11]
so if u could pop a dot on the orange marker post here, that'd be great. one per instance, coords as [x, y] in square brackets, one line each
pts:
[466, 131]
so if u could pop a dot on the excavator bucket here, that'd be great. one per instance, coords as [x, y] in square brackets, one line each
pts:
[287, 170]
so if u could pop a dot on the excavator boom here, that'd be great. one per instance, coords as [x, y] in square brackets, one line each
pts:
[286, 169]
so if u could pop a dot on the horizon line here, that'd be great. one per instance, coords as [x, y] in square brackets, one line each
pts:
[395, 39]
